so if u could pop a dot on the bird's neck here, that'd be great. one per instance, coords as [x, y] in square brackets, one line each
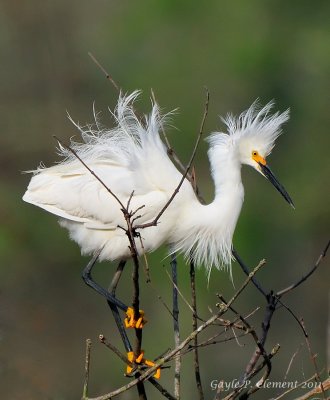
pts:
[205, 232]
[226, 173]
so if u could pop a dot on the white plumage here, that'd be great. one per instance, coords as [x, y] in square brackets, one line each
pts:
[132, 157]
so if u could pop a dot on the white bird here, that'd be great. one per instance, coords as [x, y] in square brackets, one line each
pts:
[132, 157]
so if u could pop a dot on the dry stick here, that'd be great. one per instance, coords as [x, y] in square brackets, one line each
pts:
[170, 355]
[261, 350]
[180, 293]
[114, 349]
[109, 77]
[130, 234]
[253, 333]
[194, 326]
[306, 276]
[246, 271]
[270, 309]
[313, 359]
[172, 154]
[227, 324]
[87, 364]
[176, 327]
[91, 171]
[136, 298]
[273, 299]
[176, 191]
[308, 395]
[162, 390]
[170, 151]
[317, 390]
[291, 362]
[235, 392]
[158, 386]
[211, 341]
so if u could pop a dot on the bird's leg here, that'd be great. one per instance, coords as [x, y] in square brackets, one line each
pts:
[88, 279]
[130, 353]
[114, 308]
[114, 304]
[130, 321]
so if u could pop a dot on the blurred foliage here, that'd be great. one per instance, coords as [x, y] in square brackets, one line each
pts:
[240, 50]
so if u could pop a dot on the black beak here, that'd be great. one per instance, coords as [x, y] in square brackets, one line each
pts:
[271, 177]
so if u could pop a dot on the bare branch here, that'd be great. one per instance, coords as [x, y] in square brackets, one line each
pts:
[177, 189]
[171, 354]
[108, 77]
[305, 277]
[313, 360]
[194, 327]
[90, 170]
[176, 327]
[87, 365]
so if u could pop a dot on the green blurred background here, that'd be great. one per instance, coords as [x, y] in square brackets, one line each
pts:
[240, 50]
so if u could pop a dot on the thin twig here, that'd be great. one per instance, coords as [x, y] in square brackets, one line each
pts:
[290, 362]
[194, 327]
[161, 389]
[170, 355]
[87, 364]
[90, 170]
[316, 391]
[180, 293]
[306, 276]
[176, 327]
[108, 76]
[177, 189]
[294, 387]
[170, 151]
[114, 349]
[313, 359]
[246, 271]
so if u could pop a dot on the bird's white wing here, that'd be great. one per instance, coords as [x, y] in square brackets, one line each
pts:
[130, 157]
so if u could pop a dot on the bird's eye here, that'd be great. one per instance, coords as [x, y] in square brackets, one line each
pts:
[254, 153]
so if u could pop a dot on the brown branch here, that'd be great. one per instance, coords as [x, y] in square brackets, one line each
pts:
[245, 269]
[108, 76]
[87, 365]
[259, 368]
[114, 349]
[171, 354]
[90, 170]
[153, 381]
[306, 276]
[253, 333]
[313, 359]
[177, 189]
[176, 327]
[194, 327]
[180, 293]
[316, 391]
[170, 151]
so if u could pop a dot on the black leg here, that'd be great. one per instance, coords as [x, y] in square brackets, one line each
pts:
[87, 277]
[114, 308]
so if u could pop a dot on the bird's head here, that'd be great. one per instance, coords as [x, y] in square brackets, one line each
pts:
[253, 135]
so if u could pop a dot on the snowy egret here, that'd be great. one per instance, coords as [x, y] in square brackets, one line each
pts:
[131, 157]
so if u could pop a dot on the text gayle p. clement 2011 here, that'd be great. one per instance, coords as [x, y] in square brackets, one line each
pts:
[267, 384]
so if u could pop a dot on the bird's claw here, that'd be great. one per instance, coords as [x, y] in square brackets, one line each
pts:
[131, 322]
[140, 360]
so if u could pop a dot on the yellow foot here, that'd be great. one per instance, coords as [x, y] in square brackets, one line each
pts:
[142, 361]
[131, 322]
